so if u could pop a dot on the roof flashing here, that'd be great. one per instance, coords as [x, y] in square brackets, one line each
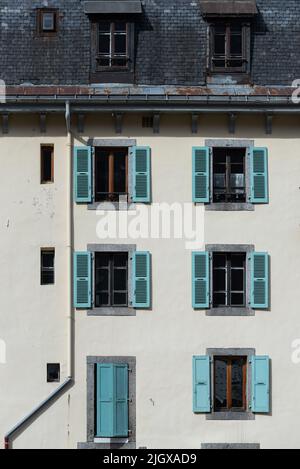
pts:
[112, 7]
[228, 8]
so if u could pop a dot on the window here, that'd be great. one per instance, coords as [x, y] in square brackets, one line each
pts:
[111, 279]
[229, 279]
[47, 164]
[111, 174]
[230, 377]
[113, 44]
[47, 20]
[229, 175]
[47, 266]
[53, 372]
[229, 47]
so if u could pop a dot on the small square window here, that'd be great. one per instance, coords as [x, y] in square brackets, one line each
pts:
[47, 20]
[53, 372]
[47, 164]
[47, 266]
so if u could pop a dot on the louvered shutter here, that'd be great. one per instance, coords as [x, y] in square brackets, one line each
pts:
[82, 280]
[201, 175]
[259, 262]
[121, 400]
[200, 280]
[259, 176]
[141, 174]
[105, 400]
[83, 174]
[141, 279]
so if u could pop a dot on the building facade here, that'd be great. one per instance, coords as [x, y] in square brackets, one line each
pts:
[150, 228]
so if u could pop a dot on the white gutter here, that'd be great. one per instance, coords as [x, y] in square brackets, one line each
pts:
[16, 428]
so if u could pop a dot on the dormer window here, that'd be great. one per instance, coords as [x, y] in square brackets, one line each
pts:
[229, 47]
[47, 21]
[113, 44]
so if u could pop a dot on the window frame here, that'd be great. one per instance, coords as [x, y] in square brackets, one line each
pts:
[44, 269]
[229, 360]
[112, 55]
[114, 74]
[49, 380]
[248, 353]
[40, 29]
[47, 147]
[228, 272]
[232, 310]
[231, 206]
[246, 39]
[111, 173]
[111, 270]
[228, 173]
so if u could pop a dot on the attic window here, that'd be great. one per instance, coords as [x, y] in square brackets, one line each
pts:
[47, 21]
[229, 49]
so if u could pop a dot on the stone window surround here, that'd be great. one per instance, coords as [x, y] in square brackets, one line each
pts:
[112, 143]
[229, 310]
[245, 352]
[231, 143]
[117, 443]
[230, 446]
[113, 310]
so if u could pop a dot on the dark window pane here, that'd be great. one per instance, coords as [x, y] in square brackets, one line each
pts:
[219, 279]
[102, 260]
[101, 299]
[47, 267]
[237, 280]
[120, 279]
[220, 181]
[119, 62]
[104, 62]
[219, 63]
[120, 260]
[120, 172]
[220, 28]
[236, 44]
[46, 164]
[104, 26]
[102, 279]
[237, 299]
[219, 260]
[219, 299]
[120, 299]
[120, 44]
[104, 44]
[237, 383]
[101, 175]
[220, 371]
[219, 44]
[120, 26]
[238, 260]
[53, 372]
[235, 63]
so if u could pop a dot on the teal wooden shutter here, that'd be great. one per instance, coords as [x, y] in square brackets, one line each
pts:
[121, 400]
[200, 280]
[259, 262]
[260, 384]
[83, 174]
[105, 400]
[82, 280]
[112, 400]
[259, 176]
[141, 279]
[141, 167]
[201, 174]
[201, 384]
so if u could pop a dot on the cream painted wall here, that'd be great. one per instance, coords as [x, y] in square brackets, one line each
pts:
[33, 318]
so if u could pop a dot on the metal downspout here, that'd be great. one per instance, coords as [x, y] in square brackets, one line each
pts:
[69, 379]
